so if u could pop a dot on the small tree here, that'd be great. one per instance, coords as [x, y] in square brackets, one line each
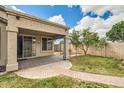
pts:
[88, 39]
[74, 38]
[117, 32]
[101, 44]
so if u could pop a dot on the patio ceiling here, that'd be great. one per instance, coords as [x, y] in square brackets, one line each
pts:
[32, 32]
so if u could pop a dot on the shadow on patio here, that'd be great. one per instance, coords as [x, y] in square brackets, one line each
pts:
[32, 62]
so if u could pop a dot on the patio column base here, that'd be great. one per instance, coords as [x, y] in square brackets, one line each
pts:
[12, 63]
[12, 67]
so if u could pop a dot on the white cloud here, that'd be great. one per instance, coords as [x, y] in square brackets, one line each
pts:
[84, 23]
[15, 8]
[97, 24]
[71, 30]
[114, 19]
[100, 9]
[88, 8]
[58, 19]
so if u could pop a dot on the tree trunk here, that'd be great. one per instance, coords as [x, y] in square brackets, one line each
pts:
[85, 53]
[76, 51]
[85, 50]
[101, 51]
[87, 47]
[105, 50]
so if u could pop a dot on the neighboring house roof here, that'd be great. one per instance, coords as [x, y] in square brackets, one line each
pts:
[21, 14]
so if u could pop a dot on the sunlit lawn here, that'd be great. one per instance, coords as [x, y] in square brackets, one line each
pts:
[11, 80]
[98, 65]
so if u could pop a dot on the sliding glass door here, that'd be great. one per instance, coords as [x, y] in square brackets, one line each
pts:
[26, 46]
[19, 47]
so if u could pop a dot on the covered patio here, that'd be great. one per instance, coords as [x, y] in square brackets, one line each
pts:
[33, 51]
[43, 61]
[42, 67]
[32, 44]
[26, 36]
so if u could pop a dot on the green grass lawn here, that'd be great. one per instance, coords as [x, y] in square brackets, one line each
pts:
[98, 65]
[11, 80]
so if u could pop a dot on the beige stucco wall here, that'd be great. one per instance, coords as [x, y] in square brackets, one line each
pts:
[39, 52]
[115, 50]
[3, 41]
[37, 27]
[12, 63]
[34, 25]
[3, 14]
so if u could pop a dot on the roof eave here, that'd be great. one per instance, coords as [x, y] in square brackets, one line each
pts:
[32, 17]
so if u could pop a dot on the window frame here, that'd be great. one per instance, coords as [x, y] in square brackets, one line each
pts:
[51, 41]
[46, 43]
[25, 35]
[42, 43]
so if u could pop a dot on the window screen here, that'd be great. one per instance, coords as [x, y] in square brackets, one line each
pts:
[50, 43]
[44, 43]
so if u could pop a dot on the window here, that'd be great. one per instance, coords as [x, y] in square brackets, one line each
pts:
[33, 46]
[44, 43]
[50, 43]
[19, 46]
[47, 44]
[27, 46]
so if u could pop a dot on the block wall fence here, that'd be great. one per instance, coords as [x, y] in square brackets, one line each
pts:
[115, 50]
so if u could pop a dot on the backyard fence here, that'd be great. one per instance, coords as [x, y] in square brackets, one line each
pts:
[115, 50]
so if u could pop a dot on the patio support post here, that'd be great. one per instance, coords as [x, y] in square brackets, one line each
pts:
[12, 63]
[3, 49]
[66, 48]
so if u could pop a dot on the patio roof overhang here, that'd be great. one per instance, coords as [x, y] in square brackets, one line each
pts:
[32, 32]
[3, 20]
[28, 16]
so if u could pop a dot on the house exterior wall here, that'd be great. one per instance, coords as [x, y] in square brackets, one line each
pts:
[39, 52]
[26, 23]
[3, 41]
[18, 20]
[34, 25]
[3, 14]
[12, 63]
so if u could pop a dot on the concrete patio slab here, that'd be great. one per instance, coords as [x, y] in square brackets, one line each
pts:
[54, 65]
[38, 68]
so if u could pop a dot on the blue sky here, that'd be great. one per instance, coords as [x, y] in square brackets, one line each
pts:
[99, 18]
[71, 15]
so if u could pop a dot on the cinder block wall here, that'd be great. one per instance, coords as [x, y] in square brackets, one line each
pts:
[115, 50]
